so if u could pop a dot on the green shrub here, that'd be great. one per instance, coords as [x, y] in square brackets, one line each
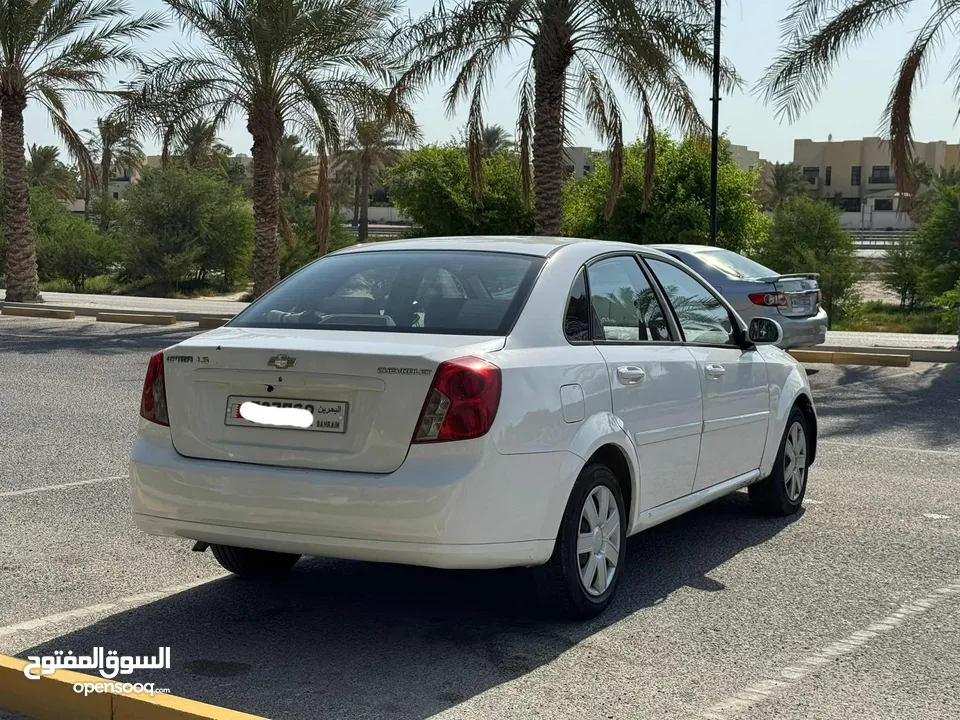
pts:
[806, 236]
[678, 210]
[185, 228]
[431, 185]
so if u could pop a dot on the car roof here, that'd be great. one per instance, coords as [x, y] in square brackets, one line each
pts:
[520, 244]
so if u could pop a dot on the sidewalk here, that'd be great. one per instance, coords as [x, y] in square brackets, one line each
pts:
[922, 348]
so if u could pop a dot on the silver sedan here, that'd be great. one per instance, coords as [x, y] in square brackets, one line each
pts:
[757, 291]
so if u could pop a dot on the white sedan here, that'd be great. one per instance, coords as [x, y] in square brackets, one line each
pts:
[470, 403]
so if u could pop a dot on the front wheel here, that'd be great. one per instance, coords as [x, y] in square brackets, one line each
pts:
[782, 492]
[581, 577]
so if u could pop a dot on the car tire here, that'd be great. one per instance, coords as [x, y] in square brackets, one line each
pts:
[782, 492]
[251, 563]
[561, 583]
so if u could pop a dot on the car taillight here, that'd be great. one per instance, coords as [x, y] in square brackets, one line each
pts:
[819, 297]
[462, 402]
[153, 401]
[769, 299]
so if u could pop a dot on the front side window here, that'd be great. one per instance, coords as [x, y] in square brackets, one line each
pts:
[625, 307]
[702, 317]
[419, 291]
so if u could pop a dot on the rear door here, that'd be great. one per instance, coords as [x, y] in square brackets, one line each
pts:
[353, 339]
[654, 379]
[736, 400]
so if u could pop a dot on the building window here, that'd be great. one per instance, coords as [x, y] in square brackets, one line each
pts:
[880, 174]
[116, 196]
[810, 174]
[883, 205]
[855, 175]
[850, 204]
[829, 174]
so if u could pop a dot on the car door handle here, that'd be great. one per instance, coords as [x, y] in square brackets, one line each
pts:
[630, 374]
[714, 371]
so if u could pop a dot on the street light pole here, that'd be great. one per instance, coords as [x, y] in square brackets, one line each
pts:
[715, 135]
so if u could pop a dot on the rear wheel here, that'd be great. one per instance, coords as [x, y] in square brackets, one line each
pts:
[247, 562]
[581, 577]
[782, 492]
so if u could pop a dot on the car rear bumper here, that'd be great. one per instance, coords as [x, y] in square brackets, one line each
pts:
[457, 505]
[797, 331]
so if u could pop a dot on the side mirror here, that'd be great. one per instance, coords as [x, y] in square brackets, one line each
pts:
[764, 331]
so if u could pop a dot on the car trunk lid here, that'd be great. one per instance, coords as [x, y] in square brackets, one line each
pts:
[802, 293]
[365, 390]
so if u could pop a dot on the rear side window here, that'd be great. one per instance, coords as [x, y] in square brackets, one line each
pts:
[415, 291]
[576, 324]
[701, 316]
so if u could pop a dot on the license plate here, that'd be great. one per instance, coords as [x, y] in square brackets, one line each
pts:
[329, 416]
[803, 302]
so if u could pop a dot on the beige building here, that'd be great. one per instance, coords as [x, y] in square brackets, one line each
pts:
[859, 174]
[744, 157]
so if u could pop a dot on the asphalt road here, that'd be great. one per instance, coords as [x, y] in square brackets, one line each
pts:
[849, 610]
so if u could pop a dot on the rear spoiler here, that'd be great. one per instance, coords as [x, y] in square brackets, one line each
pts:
[791, 276]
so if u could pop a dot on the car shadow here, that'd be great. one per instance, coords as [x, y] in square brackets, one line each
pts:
[926, 408]
[91, 338]
[340, 639]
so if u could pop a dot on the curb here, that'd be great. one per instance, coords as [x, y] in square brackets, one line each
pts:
[851, 358]
[52, 697]
[135, 318]
[87, 311]
[930, 355]
[28, 311]
[208, 323]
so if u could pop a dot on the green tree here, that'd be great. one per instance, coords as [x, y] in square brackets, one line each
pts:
[818, 35]
[47, 171]
[183, 225]
[903, 270]
[938, 243]
[577, 55]
[303, 63]
[806, 236]
[782, 181]
[432, 186]
[52, 51]
[678, 210]
[199, 147]
[68, 246]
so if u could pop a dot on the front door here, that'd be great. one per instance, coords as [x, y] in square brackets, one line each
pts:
[736, 399]
[653, 378]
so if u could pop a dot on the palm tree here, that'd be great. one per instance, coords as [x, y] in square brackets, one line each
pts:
[818, 35]
[165, 113]
[119, 150]
[578, 53]
[46, 170]
[295, 168]
[782, 181]
[373, 146]
[52, 51]
[495, 138]
[285, 62]
[199, 146]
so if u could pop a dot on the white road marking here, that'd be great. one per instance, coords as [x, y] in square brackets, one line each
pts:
[45, 488]
[812, 502]
[792, 674]
[94, 610]
[936, 516]
[888, 447]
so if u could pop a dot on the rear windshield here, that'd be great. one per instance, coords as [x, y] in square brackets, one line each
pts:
[735, 265]
[414, 291]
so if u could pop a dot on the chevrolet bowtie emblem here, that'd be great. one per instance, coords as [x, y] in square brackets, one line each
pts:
[282, 362]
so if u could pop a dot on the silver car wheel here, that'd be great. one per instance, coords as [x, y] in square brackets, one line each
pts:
[598, 542]
[795, 461]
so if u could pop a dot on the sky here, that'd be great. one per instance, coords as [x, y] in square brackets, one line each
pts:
[850, 108]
